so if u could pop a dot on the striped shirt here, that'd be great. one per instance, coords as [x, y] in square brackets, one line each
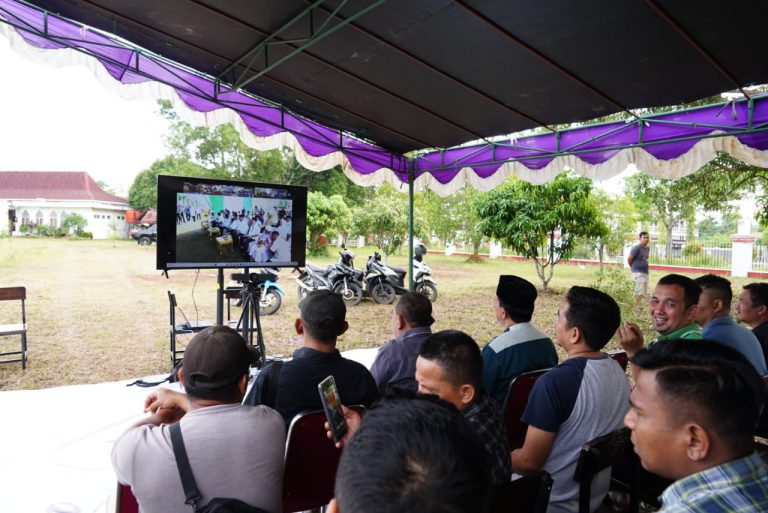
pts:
[739, 485]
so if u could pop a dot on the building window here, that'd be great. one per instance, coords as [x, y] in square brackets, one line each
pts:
[25, 217]
[53, 219]
[39, 217]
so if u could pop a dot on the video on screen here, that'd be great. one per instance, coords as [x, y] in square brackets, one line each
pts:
[231, 224]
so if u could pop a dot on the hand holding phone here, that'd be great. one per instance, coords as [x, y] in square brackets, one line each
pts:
[329, 395]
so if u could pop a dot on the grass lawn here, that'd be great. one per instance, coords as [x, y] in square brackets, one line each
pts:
[98, 310]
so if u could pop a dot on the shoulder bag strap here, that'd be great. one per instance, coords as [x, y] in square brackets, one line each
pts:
[273, 380]
[185, 470]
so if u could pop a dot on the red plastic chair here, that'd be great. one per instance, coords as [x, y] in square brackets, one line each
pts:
[620, 356]
[310, 463]
[514, 406]
[125, 501]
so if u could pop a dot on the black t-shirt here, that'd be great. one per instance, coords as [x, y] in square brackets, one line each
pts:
[299, 377]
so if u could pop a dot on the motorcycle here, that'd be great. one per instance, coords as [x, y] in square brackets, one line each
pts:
[382, 282]
[422, 279]
[270, 293]
[341, 278]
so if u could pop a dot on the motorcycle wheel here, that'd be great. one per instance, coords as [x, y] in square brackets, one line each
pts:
[428, 289]
[271, 303]
[353, 295]
[302, 292]
[383, 293]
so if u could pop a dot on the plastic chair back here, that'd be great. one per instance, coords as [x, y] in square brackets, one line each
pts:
[514, 406]
[529, 494]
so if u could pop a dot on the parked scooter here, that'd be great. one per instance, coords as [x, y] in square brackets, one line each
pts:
[422, 274]
[382, 282]
[341, 278]
[269, 291]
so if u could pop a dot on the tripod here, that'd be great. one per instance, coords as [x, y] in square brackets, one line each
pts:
[250, 318]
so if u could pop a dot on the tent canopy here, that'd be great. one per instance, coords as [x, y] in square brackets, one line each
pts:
[363, 83]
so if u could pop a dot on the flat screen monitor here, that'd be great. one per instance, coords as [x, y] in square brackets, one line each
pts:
[210, 223]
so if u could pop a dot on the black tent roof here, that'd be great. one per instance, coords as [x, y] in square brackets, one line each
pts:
[412, 74]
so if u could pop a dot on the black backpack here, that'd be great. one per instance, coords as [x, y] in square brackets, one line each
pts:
[216, 505]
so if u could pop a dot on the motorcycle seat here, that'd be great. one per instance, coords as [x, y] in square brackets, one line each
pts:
[316, 268]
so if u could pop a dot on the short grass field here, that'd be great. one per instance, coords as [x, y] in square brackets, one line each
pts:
[98, 310]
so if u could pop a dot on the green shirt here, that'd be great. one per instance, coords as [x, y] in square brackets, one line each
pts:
[690, 332]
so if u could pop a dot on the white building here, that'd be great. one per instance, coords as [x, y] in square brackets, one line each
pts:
[34, 198]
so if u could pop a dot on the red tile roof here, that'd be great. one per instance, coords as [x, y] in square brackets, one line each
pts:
[53, 185]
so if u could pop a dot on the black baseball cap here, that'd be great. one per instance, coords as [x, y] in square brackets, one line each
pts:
[323, 310]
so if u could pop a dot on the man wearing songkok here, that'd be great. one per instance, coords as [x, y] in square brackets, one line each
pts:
[521, 347]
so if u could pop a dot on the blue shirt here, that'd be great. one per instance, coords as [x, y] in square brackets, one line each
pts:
[395, 364]
[737, 486]
[521, 348]
[727, 332]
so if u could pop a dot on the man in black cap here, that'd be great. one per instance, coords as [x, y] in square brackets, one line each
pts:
[234, 451]
[291, 387]
[521, 347]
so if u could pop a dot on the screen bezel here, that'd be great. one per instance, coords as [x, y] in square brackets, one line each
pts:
[168, 186]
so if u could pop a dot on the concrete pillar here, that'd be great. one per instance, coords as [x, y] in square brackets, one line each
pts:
[361, 242]
[495, 251]
[450, 249]
[741, 255]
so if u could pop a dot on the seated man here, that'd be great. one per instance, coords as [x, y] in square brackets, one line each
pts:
[450, 366]
[714, 316]
[436, 465]
[291, 387]
[521, 347]
[280, 247]
[752, 309]
[694, 409]
[227, 443]
[673, 308]
[584, 397]
[395, 364]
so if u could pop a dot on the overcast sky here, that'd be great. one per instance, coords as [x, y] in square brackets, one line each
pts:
[63, 119]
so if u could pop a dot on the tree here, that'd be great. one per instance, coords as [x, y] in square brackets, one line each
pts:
[541, 222]
[143, 191]
[73, 224]
[670, 202]
[385, 220]
[453, 218]
[325, 215]
[620, 216]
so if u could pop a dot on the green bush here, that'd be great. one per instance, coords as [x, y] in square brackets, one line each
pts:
[85, 235]
[25, 228]
[693, 248]
[73, 224]
[44, 230]
[615, 281]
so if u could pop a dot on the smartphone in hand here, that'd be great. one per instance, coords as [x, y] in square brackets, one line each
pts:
[329, 395]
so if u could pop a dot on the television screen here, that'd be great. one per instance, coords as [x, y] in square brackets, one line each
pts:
[204, 222]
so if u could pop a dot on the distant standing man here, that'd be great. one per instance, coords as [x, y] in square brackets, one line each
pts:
[638, 264]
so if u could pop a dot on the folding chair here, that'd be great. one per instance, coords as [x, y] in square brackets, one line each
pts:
[620, 356]
[514, 406]
[15, 294]
[529, 494]
[310, 463]
[599, 454]
[125, 501]
[175, 329]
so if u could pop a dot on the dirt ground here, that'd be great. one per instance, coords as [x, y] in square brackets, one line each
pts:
[98, 310]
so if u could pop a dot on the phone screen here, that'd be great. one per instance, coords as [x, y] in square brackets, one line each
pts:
[329, 395]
